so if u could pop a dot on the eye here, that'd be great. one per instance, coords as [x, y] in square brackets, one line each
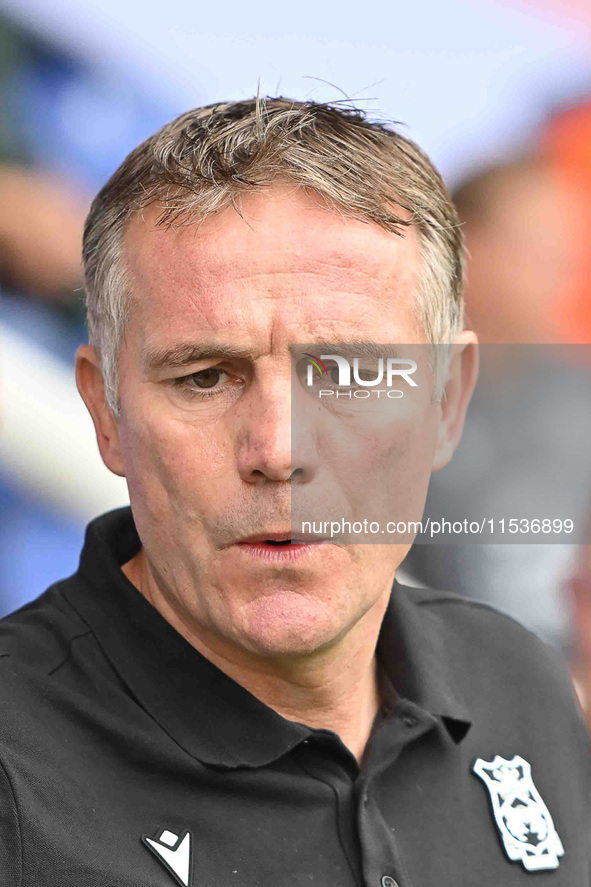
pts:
[207, 378]
[333, 373]
[209, 381]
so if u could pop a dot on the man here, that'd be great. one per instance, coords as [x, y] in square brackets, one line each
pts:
[206, 701]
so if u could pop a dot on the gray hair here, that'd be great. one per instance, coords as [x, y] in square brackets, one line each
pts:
[208, 157]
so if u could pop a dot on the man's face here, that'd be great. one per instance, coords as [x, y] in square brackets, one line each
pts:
[206, 447]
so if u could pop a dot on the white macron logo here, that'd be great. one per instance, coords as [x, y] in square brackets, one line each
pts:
[174, 851]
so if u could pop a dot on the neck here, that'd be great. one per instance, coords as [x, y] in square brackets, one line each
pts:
[335, 688]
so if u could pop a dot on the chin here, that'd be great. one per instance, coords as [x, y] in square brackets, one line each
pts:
[291, 624]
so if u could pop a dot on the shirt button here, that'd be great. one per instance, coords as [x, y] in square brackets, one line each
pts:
[387, 881]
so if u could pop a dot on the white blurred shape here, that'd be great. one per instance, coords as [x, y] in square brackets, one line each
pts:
[47, 439]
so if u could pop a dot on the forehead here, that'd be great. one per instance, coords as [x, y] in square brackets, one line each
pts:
[289, 265]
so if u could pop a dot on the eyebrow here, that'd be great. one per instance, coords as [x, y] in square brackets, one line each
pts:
[367, 349]
[186, 353]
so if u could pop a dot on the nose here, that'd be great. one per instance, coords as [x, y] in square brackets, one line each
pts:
[265, 448]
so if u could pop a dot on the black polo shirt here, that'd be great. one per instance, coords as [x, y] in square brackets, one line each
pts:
[127, 758]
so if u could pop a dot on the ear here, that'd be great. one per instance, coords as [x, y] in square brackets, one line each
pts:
[89, 379]
[461, 379]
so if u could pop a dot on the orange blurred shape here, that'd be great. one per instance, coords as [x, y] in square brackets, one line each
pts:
[566, 142]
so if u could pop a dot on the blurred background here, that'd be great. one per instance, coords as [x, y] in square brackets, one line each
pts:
[497, 91]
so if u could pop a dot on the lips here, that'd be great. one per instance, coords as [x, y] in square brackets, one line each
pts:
[278, 547]
[269, 537]
[279, 539]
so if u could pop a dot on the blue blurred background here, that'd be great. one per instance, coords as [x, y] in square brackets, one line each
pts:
[497, 92]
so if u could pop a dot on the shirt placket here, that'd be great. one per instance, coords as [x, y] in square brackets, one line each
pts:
[382, 857]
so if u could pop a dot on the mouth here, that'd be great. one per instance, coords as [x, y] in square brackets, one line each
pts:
[278, 547]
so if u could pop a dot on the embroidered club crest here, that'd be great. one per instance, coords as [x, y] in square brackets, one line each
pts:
[522, 818]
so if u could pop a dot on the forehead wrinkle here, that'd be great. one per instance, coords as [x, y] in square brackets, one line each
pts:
[277, 282]
[215, 256]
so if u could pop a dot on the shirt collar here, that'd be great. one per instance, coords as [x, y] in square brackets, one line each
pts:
[207, 713]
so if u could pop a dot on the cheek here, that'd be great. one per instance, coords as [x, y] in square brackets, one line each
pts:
[393, 440]
[172, 465]
[399, 469]
[383, 473]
